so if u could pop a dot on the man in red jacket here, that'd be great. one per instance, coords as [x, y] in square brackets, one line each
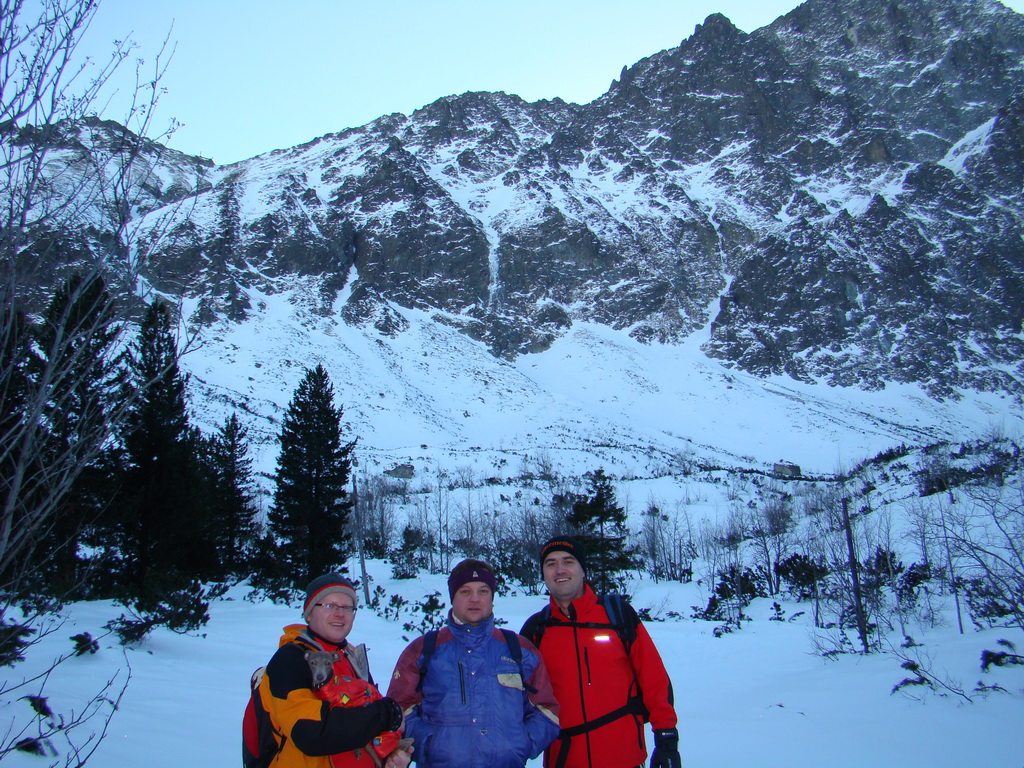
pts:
[608, 683]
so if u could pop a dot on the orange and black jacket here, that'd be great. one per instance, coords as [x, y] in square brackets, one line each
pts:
[604, 694]
[312, 730]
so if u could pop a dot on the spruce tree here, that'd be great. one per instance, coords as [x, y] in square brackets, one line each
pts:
[58, 386]
[232, 499]
[23, 512]
[310, 517]
[600, 523]
[160, 519]
[81, 368]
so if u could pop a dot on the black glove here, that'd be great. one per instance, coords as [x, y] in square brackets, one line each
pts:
[666, 749]
[391, 710]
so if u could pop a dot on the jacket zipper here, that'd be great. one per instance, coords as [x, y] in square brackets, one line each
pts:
[586, 661]
[462, 682]
[583, 698]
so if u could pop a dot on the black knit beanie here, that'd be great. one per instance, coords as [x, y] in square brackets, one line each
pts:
[564, 544]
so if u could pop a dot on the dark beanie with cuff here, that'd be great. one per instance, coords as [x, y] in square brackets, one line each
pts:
[471, 570]
[564, 544]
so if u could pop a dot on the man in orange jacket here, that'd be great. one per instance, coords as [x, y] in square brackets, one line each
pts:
[606, 686]
[318, 733]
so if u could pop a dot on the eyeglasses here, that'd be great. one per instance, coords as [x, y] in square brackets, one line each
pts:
[332, 607]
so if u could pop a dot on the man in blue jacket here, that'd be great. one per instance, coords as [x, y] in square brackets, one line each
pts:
[474, 696]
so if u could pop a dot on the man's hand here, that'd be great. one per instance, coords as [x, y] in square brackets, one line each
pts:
[402, 756]
[666, 749]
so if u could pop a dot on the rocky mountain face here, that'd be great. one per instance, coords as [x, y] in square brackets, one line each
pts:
[838, 197]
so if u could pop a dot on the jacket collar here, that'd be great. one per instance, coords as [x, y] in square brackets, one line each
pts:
[356, 654]
[467, 633]
[303, 634]
[581, 605]
[325, 645]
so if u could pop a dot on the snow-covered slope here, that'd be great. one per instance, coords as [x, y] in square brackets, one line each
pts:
[431, 396]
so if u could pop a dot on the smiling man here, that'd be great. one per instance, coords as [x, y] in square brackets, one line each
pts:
[607, 675]
[313, 732]
[474, 696]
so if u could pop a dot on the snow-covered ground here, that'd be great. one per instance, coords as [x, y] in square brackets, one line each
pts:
[761, 696]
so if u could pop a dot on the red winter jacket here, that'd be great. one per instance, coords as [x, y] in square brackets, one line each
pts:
[592, 677]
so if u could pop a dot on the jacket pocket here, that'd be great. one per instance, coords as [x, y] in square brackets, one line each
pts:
[511, 680]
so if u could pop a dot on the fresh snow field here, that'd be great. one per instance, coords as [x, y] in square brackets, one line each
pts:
[756, 697]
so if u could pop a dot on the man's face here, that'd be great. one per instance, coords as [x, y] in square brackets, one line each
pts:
[332, 617]
[563, 576]
[473, 602]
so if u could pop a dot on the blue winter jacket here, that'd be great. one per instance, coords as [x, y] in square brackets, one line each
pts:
[473, 709]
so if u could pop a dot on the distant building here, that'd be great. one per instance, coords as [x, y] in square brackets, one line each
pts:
[787, 469]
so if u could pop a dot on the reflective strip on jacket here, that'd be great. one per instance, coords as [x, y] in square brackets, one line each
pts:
[592, 676]
[474, 710]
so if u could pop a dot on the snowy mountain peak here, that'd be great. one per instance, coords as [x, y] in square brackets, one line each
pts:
[830, 205]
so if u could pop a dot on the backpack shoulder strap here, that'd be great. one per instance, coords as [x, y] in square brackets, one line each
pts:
[516, 651]
[533, 629]
[512, 641]
[622, 616]
[429, 644]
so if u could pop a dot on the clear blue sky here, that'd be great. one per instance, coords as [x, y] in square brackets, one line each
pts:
[250, 76]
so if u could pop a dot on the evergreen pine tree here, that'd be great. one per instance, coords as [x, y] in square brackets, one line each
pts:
[232, 499]
[80, 366]
[160, 520]
[19, 525]
[600, 523]
[310, 517]
[407, 560]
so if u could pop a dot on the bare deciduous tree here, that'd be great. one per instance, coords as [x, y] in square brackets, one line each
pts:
[985, 534]
[68, 183]
[377, 513]
[48, 182]
[667, 540]
[833, 539]
[770, 526]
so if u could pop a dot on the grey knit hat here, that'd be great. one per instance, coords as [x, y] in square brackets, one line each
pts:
[322, 586]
